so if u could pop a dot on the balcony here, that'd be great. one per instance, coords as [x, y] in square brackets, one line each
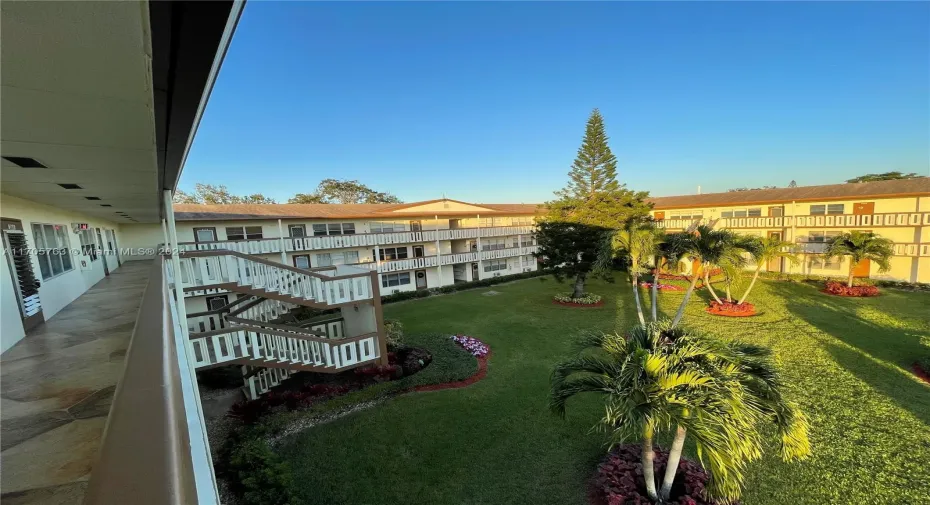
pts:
[812, 221]
[446, 259]
[271, 245]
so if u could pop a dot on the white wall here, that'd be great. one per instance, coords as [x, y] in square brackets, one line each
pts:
[57, 292]
[11, 324]
[140, 239]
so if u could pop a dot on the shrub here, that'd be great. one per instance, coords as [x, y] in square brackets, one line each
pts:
[732, 309]
[924, 364]
[588, 299]
[841, 289]
[258, 476]
[620, 481]
[881, 283]
[395, 334]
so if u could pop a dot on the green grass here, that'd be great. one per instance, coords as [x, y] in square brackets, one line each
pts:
[847, 361]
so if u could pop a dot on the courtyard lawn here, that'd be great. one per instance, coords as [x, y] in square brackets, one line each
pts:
[847, 360]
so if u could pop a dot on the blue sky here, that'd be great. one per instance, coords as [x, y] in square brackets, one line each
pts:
[486, 102]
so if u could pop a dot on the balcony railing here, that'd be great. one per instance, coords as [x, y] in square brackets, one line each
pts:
[155, 413]
[270, 245]
[813, 221]
[446, 259]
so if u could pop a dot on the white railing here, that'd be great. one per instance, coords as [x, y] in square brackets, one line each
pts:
[271, 245]
[816, 221]
[207, 270]
[263, 347]
[509, 252]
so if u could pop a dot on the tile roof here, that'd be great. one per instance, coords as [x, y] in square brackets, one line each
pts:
[216, 212]
[878, 189]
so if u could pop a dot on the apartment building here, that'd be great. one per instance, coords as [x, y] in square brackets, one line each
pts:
[810, 216]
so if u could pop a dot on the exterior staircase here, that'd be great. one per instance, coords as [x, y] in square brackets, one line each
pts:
[248, 331]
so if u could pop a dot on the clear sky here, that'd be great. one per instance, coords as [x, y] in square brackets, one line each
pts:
[486, 102]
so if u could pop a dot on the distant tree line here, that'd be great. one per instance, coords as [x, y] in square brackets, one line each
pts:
[328, 191]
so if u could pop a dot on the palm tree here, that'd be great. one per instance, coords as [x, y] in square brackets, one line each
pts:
[861, 245]
[764, 250]
[637, 243]
[659, 378]
[720, 248]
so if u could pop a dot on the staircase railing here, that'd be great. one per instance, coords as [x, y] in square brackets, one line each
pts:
[204, 270]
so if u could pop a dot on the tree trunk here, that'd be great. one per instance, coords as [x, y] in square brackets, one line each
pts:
[579, 286]
[752, 283]
[639, 304]
[649, 472]
[655, 296]
[852, 268]
[684, 303]
[729, 297]
[711, 288]
[674, 456]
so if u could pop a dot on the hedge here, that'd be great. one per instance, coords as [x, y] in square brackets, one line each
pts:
[793, 277]
[462, 286]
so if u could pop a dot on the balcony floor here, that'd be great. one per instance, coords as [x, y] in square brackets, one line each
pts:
[56, 389]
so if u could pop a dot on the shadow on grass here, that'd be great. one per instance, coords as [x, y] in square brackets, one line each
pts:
[882, 337]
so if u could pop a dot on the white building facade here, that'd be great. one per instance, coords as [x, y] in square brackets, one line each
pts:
[413, 246]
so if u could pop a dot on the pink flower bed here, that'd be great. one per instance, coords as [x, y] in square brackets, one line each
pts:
[662, 287]
[476, 347]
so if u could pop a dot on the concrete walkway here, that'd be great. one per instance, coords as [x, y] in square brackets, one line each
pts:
[56, 386]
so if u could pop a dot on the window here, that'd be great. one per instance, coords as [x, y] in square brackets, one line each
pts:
[302, 261]
[319, 229]
[726, 213]
[52, 247]
[205, 234]
[418, 251]
[392, 253]
[494, 265]
[527, 261]
[388, 280]
[339, 258]
[243, 232]
[776, 211]
[348, 228]
[387, 226]
[740, 213]
[822, 236]
[822, 263]
[492, 244]
[757, 212]
[836, 208]
[528, 240]
[686, 214]
[334, 229]
[88, 245]
[487, 222]
[297, 230]
[216, 302]
[523, 221]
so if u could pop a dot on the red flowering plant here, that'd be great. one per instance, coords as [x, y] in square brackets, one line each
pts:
[662, 287]
[841, 289]
[733, 309]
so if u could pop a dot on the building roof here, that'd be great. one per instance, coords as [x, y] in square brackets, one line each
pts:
[879, 189]
[215, 212]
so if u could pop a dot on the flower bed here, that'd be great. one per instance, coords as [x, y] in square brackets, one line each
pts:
[620, 481]
[588, 300]
[841, 289]
[476, 347]
[730, 309]
[662, 287]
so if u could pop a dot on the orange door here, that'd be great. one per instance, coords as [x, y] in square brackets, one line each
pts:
[864, 208]
[660, 216]
[862, 268]
[696, 267]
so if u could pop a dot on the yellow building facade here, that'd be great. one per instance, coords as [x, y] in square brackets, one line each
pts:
[810, 216]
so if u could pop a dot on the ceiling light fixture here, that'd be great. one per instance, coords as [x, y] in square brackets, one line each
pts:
[91, 197]
[24, 162]
[70, 186]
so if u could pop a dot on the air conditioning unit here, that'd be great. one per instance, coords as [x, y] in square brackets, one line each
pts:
[527, 269]
[395, 291]
[497, 274]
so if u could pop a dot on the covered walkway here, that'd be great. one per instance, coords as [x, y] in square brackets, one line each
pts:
[56, 386]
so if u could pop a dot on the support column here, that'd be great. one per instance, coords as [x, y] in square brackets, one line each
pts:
[379, 318]
[164, 230]
[478, 243]
[281, 240]
[438, 255]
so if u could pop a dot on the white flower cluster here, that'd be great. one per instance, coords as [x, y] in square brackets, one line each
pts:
[476, 347]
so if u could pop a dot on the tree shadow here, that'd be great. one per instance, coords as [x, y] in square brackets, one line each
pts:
[882, 337]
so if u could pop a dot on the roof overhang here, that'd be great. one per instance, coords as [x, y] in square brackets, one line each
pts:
[106, 96]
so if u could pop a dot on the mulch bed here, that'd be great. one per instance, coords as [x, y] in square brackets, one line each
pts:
[570, 304]
[480, 374]
[921, 373]
[726, 309]
[841, 289]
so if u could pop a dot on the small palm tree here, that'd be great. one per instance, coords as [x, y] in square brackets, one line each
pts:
[861, 245]
[637, 243]
[658, 379]
[764, 250]
[721, 248]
